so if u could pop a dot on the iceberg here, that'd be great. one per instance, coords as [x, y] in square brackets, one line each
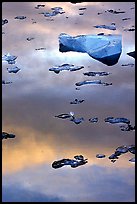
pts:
[111, 27]
[104, 48]
[94, 82]
[13, 69]
[96, 73]
[69, 67]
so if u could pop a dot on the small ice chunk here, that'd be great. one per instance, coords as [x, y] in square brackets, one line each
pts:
[93, 120]
[77, 120]
[30, 38]
[39, 5]
[117, 120]
[113, 156]
[9, 58]
[100, 155]
[132, 159]
[68, 67]
[64, 115]
[4, 21]
[6, 82]
[131, 54]
[76, 101]
[95, 82]
[96, 73]
[20, 17]
[13, 69]
[110, 27]
[6, 135]
[114, 11]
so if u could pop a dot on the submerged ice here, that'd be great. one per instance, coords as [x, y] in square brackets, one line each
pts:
[104, 48]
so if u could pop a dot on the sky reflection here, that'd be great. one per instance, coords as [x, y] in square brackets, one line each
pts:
[36, 95]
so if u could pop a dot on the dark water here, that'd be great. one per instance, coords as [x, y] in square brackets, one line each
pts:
[36, 95]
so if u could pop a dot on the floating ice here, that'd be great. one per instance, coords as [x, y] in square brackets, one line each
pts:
[93, 120]
[41, 48]
[129, 64]
[122, 149]
[20, 17]
[115, 12]
[96, 73]
[76, 101]
[100, 155]
[125, 19]
[78, 161]
[39, 5]
[113, 156]
[111, 27]
[77, 120]
[132, 54]
[64, 115]
[9, 58]
[4, 21]
[69, 67]
[6, 135]
[117, 120]
[95, 82]
[129, 29]
[132, 159]
[13, 69]
[30, 38]
[127, 128]
[56, 10]
[82, 8]
[104, 48]
[6, 82]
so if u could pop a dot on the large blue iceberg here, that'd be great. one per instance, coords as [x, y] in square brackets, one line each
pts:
[104, 48]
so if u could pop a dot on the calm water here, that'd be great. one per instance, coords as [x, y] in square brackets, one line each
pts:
[36, 95]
